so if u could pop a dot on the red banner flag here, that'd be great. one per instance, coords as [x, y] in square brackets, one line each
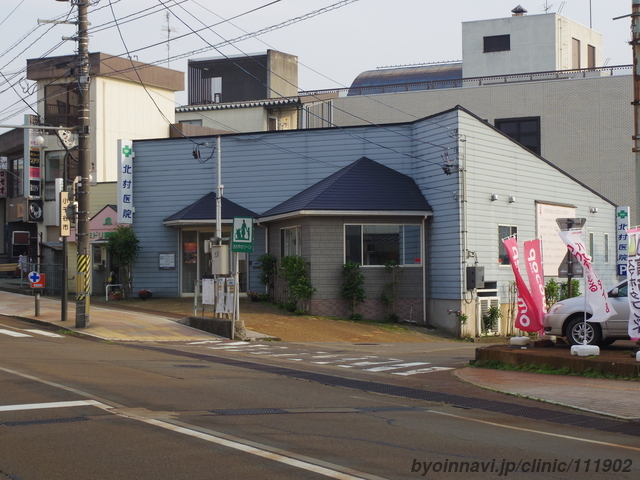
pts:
[528, 316]
[535, 274]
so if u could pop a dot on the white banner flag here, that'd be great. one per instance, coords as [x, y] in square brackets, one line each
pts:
[633, 282]
[601, 308]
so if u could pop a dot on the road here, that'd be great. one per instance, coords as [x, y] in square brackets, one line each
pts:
[74, 408]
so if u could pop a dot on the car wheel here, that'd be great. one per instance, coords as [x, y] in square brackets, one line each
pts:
[578, 331]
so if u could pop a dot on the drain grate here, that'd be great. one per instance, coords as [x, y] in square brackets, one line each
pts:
[24, 423]
[460, 401]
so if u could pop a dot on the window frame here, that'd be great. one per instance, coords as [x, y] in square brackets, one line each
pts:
[496, 43]
[513, 230]
[285, 244]
[402, 253]
[518, 137]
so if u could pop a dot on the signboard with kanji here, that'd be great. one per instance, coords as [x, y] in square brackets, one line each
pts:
[242, 234]
[622, 240]
[125, 181]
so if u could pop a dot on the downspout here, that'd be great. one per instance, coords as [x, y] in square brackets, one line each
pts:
[424, 271]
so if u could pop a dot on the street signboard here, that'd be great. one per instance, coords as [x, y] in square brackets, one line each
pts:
[37, 280]
[242, 234]
[65, 223]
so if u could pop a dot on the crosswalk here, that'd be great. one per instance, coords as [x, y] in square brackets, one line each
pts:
[368, 363]
[31, 333]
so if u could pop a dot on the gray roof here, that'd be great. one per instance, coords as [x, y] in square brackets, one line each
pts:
[401, 79]
[363, 186]
[205, 209]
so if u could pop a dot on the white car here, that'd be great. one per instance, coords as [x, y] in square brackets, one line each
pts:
[566, 319]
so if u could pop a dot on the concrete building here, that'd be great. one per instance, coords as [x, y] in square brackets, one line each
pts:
[127, 99]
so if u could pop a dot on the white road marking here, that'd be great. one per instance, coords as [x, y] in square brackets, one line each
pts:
[38, 406]
[421, 370]
[204, 342]
[366, 364]
[45, 333]
[395, 367]
[13, 334]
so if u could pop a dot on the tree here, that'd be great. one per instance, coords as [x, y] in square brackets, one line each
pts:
[123, 247]
[298, 281]
[352, 289]
[268, 272]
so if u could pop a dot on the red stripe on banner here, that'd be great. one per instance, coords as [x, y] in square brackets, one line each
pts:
[528, 317]
[535, 274]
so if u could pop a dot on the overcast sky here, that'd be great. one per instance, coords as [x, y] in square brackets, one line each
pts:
[332, 47]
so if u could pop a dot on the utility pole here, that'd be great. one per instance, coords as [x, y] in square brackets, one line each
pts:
[635, 44]
[83, 272]
[84, 162]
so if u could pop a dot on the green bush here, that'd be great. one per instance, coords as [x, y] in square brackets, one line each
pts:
[352, 289]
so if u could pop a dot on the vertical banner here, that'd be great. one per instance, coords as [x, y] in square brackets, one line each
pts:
[622, 241]
[596, 294]
[125, 181]
[535, 274]
[528, 317]
[633, 282]
[32, 148]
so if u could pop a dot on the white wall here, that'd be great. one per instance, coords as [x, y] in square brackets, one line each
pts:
[539, 43]
[122, 109]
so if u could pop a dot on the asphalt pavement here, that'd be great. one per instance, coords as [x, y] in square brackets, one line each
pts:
[616, 398]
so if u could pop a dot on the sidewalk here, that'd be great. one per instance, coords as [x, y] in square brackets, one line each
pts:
[104, 323]
[617, 398]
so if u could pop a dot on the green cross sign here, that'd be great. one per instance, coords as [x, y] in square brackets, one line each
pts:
[126, 150]
[622, 214]
[242, 234]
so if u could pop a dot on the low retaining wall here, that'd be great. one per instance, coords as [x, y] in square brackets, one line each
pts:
[218, 326]
[518, 356]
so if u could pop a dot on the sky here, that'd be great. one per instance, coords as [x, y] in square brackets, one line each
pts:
[332, 47]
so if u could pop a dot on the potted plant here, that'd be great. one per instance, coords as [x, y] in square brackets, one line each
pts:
[116, 295]
[145, 294]
[254, 296]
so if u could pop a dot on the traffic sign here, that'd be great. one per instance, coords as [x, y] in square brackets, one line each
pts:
[242, 234]
[37, 280]
[576, 267]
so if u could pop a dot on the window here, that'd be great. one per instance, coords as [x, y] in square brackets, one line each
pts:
[591, 246]
[379, 244]
[497, 43]
[192, 122]
[61, 105]
[54, 162]
[606, 248]
[525, 131]
[16, 182]
[505, 231]
[290, 241]
[591, 56]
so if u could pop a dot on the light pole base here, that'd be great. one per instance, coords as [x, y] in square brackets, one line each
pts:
[82, 316]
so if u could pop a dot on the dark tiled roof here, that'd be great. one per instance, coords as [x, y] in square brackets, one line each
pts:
[364, 185]
[205, 209]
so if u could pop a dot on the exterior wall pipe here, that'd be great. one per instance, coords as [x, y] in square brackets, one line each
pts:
[635, 43]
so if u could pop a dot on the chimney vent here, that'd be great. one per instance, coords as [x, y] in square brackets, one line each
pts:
[519, 11]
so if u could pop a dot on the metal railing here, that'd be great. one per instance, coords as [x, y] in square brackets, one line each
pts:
[473, 81]
[53, 277]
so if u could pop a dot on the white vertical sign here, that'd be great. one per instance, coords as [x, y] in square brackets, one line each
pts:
[125, 181]
[622, 239]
